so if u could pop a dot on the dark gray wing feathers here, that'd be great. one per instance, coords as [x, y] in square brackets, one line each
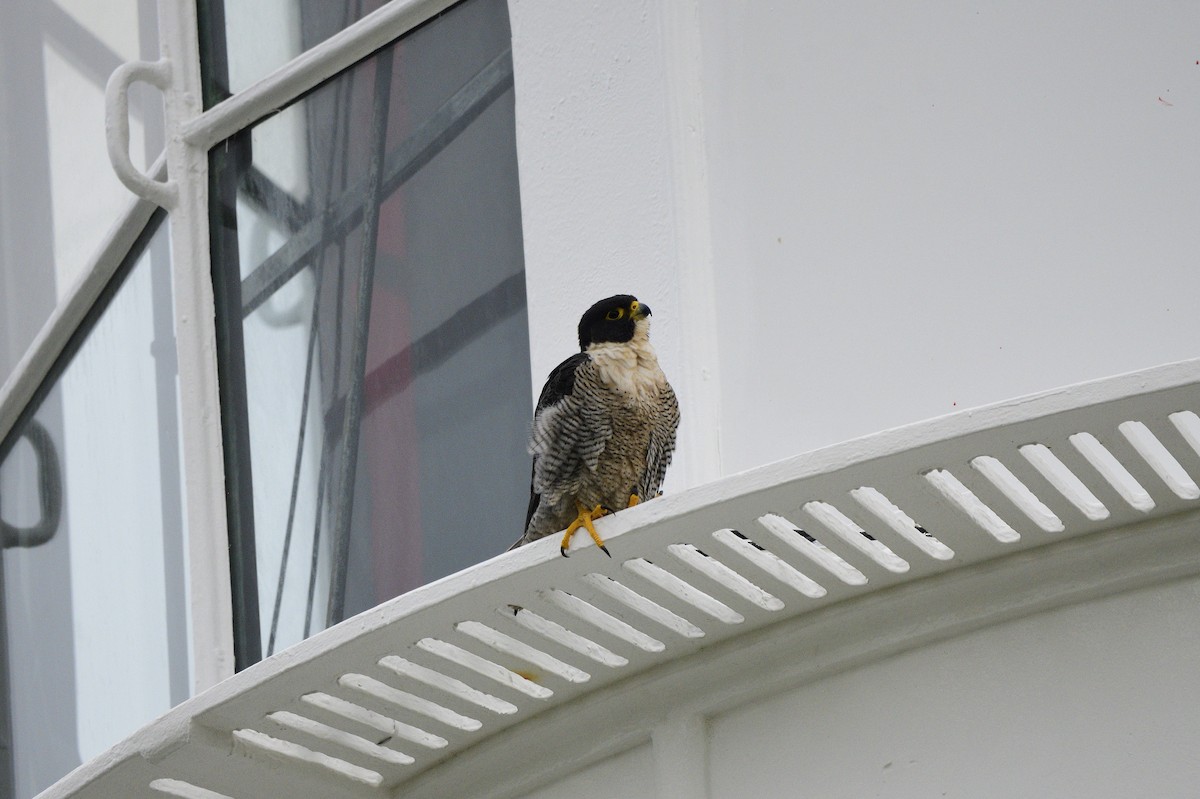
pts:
[570, 430]
[662, 445]
[569, 433]
[559, 384]
[561, 381]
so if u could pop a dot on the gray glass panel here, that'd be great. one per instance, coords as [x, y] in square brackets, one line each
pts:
[94, 594]
[374, 341]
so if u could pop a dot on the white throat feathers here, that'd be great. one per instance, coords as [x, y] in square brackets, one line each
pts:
[631, 367]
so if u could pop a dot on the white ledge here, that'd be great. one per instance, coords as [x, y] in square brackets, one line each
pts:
[586, 669]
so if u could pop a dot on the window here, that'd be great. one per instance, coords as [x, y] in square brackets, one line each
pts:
[364, 249]
[244, 55]
[94, 575]
[371, 310]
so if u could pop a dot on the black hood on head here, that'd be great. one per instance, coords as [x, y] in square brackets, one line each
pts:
[611, 320]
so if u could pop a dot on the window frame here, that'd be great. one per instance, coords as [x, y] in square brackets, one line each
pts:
[178, 182]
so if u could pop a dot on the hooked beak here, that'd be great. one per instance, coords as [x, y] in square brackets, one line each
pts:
[640, 310]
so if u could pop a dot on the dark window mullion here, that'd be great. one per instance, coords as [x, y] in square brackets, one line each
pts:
[214, 51]
[235, 416]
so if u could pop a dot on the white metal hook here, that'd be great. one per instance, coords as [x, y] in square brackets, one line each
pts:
[116, 125]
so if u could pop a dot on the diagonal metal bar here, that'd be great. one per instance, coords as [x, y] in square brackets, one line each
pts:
[308, 70]
[345, 90]
[326, 448]
[272, 199]
[373, 198]
[300, 438]
[346, 211]
[270, 192]
[75, 314]
[434, 348]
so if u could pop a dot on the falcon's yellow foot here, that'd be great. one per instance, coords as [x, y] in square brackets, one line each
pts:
[633, 500]
[584, 519]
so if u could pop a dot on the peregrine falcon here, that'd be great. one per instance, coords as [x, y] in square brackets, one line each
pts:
[604, 428]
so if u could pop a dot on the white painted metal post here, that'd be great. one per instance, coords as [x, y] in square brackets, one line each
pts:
[195, 341]
[701, 321]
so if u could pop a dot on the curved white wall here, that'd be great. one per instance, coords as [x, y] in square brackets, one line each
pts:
[1094, 700]
[921, 207]
[855, 216]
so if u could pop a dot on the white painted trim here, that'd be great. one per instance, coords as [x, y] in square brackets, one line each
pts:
[31, 370]
[195, 342]
[307, 70]
[621, 706]
[834, 640]
[699, 385]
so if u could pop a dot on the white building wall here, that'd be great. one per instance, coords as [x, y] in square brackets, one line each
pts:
[1094, 700]
[905, 210]
[629, 775]
[921, 207]
[611, 163]
[908, 208]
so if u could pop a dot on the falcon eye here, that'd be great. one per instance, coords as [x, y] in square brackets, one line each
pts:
[615, 314]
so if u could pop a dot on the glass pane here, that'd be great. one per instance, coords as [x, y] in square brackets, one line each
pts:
[371, 310]
[236, 53]
[93, 579]
[58, 193]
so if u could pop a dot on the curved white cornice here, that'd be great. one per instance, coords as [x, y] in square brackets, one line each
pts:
[496, 679]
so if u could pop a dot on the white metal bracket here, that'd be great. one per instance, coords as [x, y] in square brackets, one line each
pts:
[116, 126]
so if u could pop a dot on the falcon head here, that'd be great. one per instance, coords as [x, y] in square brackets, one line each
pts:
[615, 320]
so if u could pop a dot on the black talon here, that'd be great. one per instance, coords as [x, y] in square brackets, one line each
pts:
[606, 552]
[563, 551]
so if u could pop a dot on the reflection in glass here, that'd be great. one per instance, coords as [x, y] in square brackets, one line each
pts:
[238, 53]
[371, 315]
[93, 579]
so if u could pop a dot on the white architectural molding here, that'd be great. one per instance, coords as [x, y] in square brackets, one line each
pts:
[195, 343]
[701, 319]
[551, 663]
